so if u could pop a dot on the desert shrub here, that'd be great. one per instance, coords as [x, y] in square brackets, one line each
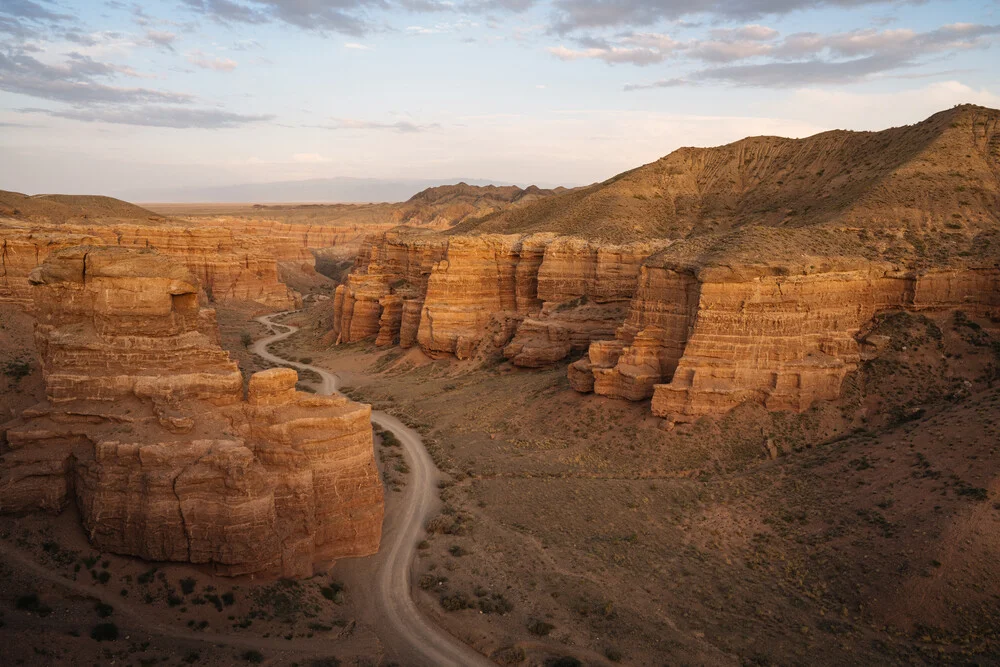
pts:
[31, 603]
[228, 599]
[325, 662]
[246, 339]
[540, 628]
[509, 655]
[495, 604]
[455, 602]
[306, 360]
[255, 657]
[187, 585]
[564, 661]
[333, 592]
[457, 551]
[104, 632]
[104, 610]
[613, 654]
[17, 369]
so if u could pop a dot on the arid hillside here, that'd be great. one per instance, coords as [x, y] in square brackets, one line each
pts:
[72, 208]
[939, 175]
[439, 208]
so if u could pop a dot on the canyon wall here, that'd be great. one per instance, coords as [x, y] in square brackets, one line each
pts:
[698, 331]
[146, 429]
[227, 268]
[541, 297]
[700, 340]
[294, 241]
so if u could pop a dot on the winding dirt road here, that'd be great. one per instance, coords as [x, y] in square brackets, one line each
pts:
[407, 634]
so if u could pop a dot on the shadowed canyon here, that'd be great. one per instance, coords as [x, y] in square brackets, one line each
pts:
[738, 406]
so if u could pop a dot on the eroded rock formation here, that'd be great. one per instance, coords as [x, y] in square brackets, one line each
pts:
[227, 268]
[146, 428]
[704, 335]
[551, 295]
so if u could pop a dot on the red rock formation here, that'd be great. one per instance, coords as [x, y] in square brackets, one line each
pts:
[227, 268]
[387, 264]
[146, 427]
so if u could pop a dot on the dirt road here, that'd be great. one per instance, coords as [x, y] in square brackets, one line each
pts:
[407, 634]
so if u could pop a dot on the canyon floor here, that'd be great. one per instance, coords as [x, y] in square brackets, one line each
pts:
[575, 525]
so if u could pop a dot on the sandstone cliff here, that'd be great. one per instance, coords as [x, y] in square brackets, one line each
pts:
[227, 268]
[715, 322]
[146, 429]
[551, 295]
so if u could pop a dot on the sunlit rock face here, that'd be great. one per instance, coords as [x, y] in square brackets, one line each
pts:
[227, 268]
[147, 430]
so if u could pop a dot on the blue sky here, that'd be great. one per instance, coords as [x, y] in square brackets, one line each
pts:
[116, 96]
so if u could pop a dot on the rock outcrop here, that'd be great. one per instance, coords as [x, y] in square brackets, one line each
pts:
[227, 268]
[551, 295]
[710, 330]
[146, 429]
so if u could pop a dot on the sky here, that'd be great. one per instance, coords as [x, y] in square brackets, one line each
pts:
[114, 97]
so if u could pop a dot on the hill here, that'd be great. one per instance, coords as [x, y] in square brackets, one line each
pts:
[941, 175]
[71, 208]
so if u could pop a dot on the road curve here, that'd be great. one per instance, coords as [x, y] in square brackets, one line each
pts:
[399, 623]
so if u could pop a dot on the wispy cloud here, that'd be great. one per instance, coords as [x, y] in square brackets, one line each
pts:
[402, 126]
[199, 59]
[162, 38]
[357, 47]
[157, 116]
[77, 81]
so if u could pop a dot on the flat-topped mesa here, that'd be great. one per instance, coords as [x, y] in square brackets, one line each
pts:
[705, 334]
[147, 430]
[227, 268]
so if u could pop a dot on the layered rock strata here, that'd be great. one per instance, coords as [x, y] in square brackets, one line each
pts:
[552, 295]
[701, 339]
[226, 267]
[146, 429]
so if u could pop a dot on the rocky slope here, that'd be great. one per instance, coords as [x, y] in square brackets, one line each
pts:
[146, 429]
[936, 178]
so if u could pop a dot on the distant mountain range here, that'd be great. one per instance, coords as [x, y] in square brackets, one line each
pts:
[315, 190]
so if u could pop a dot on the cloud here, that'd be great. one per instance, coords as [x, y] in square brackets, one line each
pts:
[310, 158]
[157, 116]
[401, 126]
[162, 38]
[203, 61]
[357, 47]
[573, 15]
[33, 11]
[632, 48]
[662, 83]
[75, 81]
[343, 16]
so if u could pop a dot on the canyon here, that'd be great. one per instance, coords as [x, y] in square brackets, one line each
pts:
[146, 429]
[752, 384]
[748, 307]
